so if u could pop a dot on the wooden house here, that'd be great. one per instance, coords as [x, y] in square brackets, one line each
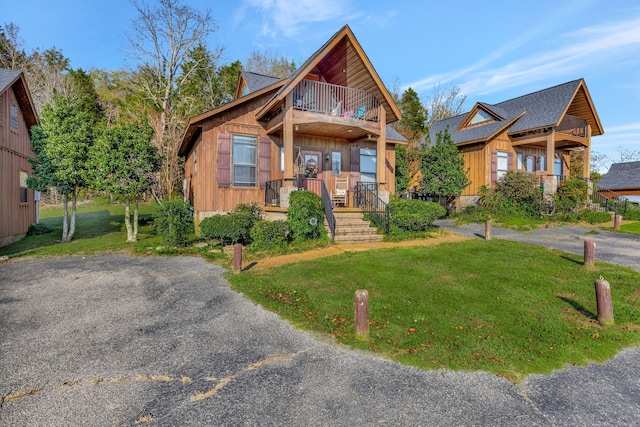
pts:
[622, 179]
[328, 121]
[534, 133]
[17, 115]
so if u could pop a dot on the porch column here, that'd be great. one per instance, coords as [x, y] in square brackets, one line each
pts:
[381, 148]
[287, 136]
[586, 160]
[551, 149]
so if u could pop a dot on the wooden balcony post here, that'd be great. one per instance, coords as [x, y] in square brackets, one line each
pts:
[551, 149]
[381, 149]
[287, 136]
[586, 162]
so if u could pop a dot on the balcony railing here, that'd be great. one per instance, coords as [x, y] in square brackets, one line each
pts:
[334, 100]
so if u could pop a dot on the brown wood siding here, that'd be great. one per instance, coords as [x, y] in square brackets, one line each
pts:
[15, 150]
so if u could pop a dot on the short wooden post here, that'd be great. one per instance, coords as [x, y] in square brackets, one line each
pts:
[603, 301]
[237, 257]
[617, 221]
[487, 230]
[589, 252]
[362, 315]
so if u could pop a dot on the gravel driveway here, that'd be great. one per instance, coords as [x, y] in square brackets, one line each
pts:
[115, 340]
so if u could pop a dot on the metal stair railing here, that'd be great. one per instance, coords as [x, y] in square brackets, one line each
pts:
[376, 210]
[608, 198]
[328, 211]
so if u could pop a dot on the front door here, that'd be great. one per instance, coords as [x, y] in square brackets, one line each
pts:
[312, 168]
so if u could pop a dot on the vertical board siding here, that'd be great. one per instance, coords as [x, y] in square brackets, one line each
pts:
[264, 160]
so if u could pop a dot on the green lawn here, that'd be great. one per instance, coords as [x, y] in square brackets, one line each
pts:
[631, 228]
[498, 306]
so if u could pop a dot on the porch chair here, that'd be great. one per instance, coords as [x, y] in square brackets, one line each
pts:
[340, 194]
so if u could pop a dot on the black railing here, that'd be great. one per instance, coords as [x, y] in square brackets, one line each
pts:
[328, 211]
[377, 211]
[272, 192]
[609, 199]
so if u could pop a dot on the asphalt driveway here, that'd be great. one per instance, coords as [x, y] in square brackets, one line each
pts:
[115, 340]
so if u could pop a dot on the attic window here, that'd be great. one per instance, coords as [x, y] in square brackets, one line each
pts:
[481, 117]
[245, 90]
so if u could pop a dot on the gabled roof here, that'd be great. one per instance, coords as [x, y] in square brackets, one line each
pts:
[16, 80]
[254, 81]
[621, 176]
[341, 43]
[544, 108]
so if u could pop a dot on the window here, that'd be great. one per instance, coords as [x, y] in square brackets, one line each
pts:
[14, 116]
[195, 160]
[282, 159]
[23, 187]
[336, 162]
[367, 165]
[480, 117]
[530, 163]
[244, 159]
[542, 166]
[557, 167]
[245, 90]
[520, 163]
[503, 163]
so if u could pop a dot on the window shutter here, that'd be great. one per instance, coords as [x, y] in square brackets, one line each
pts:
[494, 167]
[510, 163]
[264, 160]
[224, 160]
[354, 168]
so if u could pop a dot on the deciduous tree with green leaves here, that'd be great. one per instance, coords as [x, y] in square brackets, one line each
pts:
[443, 170]
[61, 146]
[124, 163]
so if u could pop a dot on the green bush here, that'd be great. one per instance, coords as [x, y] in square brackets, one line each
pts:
[270, 234]
[231, 228]
[595, 217]
[252, 209]
[174, 222]
[414, 215]
[632, 213]
[571, 194]
[519, 186]
[36, 229]
[306, 216]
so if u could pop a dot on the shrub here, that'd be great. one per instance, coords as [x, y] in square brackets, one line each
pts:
[306, 216]
[270, 234]
[414, 215]
[595, 217]
[231, 228]
[174, 222]
[36, 229]
[571, 194]
[252, 209]
[519, 186]
[632, 213]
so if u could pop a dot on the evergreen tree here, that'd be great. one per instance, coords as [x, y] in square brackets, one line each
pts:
[443, 170]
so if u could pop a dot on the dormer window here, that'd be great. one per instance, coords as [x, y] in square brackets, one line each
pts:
[479, 118]
[245, 90]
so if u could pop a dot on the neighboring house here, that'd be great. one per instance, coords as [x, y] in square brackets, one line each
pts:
[328, 120]
[623, 179]
[17, 115]
[534, 133]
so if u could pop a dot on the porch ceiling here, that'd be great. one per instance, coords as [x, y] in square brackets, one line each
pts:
[562, 141]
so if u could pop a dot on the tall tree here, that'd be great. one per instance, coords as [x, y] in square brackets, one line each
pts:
[124, 162]
[269, 64]
[443, 170]
[12, 53]
[161, 39]
[61, 145]
[414, 116]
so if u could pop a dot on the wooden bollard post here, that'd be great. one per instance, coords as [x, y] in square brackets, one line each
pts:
[617, 221]
[237, 257]
[603, 301]
[589, 252]
[487, 230]
[362, 315]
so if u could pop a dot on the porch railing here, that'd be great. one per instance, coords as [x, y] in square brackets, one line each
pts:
[328, 211]
[373, 208]
[334, 100]
[609, 199]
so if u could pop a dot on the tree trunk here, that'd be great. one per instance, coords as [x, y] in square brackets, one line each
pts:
[72, 225]
[135, 220]
[65, 216]
[127, 220]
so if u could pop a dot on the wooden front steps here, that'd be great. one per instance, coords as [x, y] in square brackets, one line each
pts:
[351, 227]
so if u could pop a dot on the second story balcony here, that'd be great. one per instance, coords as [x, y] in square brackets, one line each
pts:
[334, 100]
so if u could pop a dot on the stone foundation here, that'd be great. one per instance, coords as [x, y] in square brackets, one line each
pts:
[464, 201]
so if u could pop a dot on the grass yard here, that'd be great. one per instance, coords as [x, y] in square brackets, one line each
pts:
[99, 228]
[631, 228]
[499, 306]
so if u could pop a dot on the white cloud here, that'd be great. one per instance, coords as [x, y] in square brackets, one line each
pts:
[604, 45]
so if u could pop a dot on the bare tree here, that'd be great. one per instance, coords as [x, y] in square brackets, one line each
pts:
[12, 53]
[160, 41]
[269, 64]
[444, 103]
[628, 155]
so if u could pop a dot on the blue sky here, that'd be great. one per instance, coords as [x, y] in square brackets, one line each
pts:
[492, 51]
